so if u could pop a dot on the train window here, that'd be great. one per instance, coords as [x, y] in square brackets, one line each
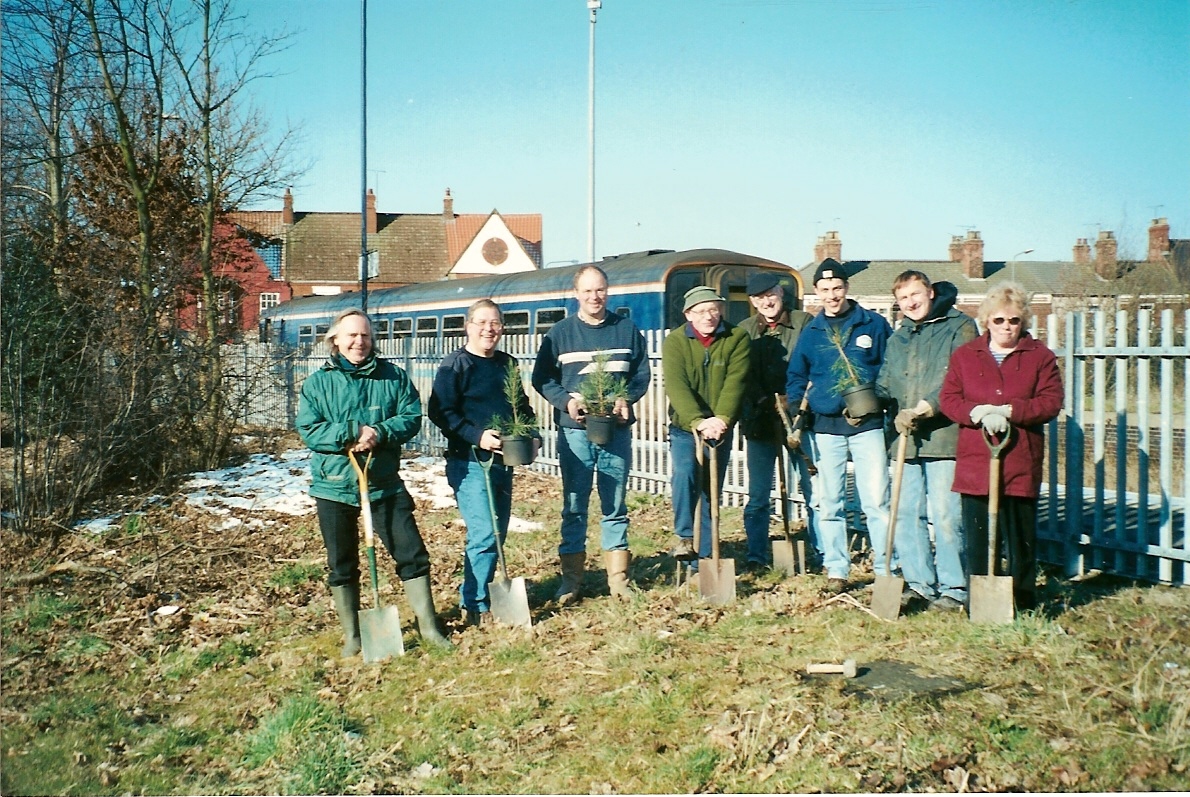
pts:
[427, 326]
[402, 328]
[547, 317]
[454, 325]
[320, 330]
[305, 334]
[380, 329]
[516, 323]
[625, 312]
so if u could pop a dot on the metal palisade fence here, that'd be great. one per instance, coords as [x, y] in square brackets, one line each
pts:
[1118, 470]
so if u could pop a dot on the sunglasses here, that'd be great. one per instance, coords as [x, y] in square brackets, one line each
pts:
[1001, 320]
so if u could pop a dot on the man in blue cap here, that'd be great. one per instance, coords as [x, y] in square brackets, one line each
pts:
[773, 331]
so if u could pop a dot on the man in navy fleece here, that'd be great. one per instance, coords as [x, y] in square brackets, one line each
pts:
[566, 356]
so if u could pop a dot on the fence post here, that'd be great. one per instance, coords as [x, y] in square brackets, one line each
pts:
[1075, 557]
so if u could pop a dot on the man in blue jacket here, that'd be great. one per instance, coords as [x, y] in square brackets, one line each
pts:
[841, 347]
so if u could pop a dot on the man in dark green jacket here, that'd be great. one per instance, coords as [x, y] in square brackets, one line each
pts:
[705, 365]
[773, 331]
[361, 403]
[916, 360]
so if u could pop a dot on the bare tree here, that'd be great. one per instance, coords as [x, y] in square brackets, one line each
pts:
[117, 165]
[217, 56]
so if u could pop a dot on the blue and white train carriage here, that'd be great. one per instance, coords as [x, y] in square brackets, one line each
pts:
[646, 286]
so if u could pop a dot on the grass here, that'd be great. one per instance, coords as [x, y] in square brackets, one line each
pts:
[242, 693]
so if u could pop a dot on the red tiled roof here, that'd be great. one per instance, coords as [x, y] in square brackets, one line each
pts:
[264, 222]
[460, 233]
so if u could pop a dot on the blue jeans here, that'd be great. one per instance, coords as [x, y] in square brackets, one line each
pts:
[582, 462]
[688, 484]
[925, 489]
[465, 477]
[870, 458]
[762, 457]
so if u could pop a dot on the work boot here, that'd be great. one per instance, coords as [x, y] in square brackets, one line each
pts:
[683, 549]
[417, 590]
[616, 563]
[572, 577]
[346, 598]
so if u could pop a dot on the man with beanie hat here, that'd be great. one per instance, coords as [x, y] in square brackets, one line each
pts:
[842, 330]
[773, 331]
[705, 365]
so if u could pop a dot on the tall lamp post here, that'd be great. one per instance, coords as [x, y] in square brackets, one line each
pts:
[363, 155]
[1014, 257]
[593, 6]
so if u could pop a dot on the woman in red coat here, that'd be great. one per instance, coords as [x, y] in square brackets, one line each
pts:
[1003, 378]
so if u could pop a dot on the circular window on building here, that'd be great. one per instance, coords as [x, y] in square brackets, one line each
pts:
[495, 251]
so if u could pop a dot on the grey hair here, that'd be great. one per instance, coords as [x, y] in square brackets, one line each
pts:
[329, 337]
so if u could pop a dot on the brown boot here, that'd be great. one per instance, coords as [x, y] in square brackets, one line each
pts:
[616, 563]
[572, 577]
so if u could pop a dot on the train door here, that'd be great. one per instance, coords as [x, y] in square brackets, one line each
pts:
[731, 282]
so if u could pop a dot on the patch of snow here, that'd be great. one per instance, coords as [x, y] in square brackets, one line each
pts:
[99, 525]
[518, 526]
[280, 484]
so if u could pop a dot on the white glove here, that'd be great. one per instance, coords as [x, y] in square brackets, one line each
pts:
[995, 423]
[979, 411]
[1003, 409]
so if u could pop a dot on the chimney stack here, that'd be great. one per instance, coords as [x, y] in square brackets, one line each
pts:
[287, 208]
[1158, 240]
[956, 249]
[829, 245]
[371, 203]
[448, 207]
[1106, 265]
[1082, 252]
[973, 256]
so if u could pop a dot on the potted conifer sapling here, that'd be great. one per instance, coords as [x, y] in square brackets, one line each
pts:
[859, 395]
[600, 391]
[516, 430]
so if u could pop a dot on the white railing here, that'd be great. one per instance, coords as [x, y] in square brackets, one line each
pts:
[1126, 516]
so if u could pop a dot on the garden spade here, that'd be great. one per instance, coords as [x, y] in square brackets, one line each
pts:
[510, 601]
[380, 626]
[783, 561]
[716, 577]
[991, 595]
[886, 592]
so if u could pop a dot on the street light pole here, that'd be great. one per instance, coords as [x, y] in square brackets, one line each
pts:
[1014, 257]
[363, 155]
[593, 6]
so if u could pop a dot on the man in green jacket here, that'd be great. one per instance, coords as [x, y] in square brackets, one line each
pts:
[916, 360]
[773, 331]
[367, 405]
[705, 365]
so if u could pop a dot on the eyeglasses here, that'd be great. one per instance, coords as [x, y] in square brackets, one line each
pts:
[1001, 321]
[707, 313]
[496, 325]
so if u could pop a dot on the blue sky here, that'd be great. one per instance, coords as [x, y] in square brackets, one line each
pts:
[753, 125]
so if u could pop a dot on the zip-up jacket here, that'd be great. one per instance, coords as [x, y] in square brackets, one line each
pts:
[865, 335]
[704, 382]
[915, 363]
[335, 402]
[766, 377]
